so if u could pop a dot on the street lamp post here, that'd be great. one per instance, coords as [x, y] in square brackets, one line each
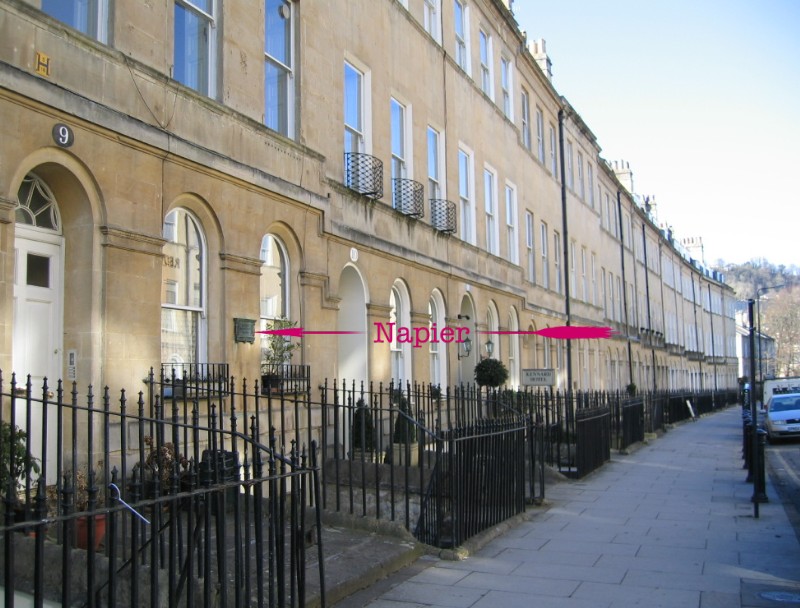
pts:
[759, 291]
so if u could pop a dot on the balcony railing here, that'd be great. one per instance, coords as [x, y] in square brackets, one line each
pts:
[364, 174]
[407, 197]
[443, 215]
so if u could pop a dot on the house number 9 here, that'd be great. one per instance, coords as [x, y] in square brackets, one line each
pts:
[63, 135]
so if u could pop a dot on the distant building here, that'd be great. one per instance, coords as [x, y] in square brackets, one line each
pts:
[764, 357]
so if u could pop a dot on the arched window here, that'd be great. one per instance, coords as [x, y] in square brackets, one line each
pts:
[274, 286]
[274, 279]
[400, 315]
[438, 354]
[183, 290]
[37, 204]
[513, 349]
[492, 345]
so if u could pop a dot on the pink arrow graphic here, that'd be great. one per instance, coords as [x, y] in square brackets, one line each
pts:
[299, 332]
[565, 332]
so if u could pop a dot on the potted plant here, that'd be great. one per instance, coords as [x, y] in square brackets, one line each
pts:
[162, 463]
[363, 433]
[88, 485]
[17, 466]
[491, 373]
[631, 389]
[404, 440]
[278, 353]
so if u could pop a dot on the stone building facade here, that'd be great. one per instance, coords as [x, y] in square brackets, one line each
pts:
[168, 167]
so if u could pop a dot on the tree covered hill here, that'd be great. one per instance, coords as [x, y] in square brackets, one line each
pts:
[753, 275]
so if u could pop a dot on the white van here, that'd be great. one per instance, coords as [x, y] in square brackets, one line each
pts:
[790, 384]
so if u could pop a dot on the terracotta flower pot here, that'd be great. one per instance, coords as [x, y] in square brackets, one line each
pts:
[82, 531]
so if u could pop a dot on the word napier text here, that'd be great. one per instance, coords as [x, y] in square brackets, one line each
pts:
[417, 336]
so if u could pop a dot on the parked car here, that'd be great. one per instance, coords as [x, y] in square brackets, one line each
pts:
[783, 416]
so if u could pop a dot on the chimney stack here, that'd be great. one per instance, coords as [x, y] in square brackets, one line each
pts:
[537, 49]
[622, 169]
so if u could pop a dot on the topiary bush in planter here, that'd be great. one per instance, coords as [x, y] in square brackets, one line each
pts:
[404, 449]
[491, 372]
[363, 431]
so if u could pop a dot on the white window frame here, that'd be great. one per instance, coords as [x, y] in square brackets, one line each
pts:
[507, 86]
[553, 153]
[200, 311]
[573, 277]
[490, 209]
[436, 186]
[525, 109]
[543, 240]
[557, 259]
[611, 308]
[466, 194]
[399, 147]
[594, 280]
[437, 355]
[512, 237]
[362, 131]
[462, 43]
[540, 135]
[431, 18]
[93, 23]
[590, 173]
[581, 183]
[288, 70]
[485, 54]
[570, 167]
[530, 245]
[584, 282]
[210, 48]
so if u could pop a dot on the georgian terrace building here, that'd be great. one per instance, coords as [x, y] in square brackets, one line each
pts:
[170, 169]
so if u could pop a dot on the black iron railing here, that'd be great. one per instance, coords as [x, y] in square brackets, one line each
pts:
[443, 215]
[195, 379]
[407, 197]
[284, 377]
[477, 482]
[185, 501]
[363, 173]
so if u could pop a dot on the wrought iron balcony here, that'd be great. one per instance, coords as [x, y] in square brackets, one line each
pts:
[363, 173]
[443, 215]
[407, 197]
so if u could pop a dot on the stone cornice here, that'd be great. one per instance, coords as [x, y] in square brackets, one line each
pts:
[128, 240]
[7, 207]
[240, 263]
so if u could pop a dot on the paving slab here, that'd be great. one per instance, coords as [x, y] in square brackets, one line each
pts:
[670, 524]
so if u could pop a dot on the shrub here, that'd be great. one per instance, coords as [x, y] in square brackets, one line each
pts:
[491, 372]
[16, 463]
[405, 431]
[363, 429]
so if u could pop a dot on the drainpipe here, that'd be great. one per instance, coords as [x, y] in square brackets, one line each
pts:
[624, 287]
[565, 236]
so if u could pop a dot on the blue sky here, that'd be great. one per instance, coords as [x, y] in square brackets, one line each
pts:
[702, 98]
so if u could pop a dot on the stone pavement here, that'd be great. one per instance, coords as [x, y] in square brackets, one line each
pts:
[670, 525]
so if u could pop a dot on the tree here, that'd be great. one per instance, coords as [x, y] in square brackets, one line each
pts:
[780, 318]
[490, 372]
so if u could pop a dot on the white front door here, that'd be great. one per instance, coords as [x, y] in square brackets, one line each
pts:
[38, 320]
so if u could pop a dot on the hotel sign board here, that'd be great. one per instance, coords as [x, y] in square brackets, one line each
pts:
[538, 377]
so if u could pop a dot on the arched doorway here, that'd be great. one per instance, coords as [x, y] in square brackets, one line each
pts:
[38, 304]
[352, 360]
[38, 284]
[467, 358]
